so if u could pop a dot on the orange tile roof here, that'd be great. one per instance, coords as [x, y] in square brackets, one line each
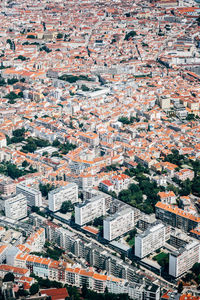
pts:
[177, 211]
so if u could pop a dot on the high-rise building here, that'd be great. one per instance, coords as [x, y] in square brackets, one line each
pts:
[89, 210]
[58, 196]
[34, 196]
[176, 217]
[150, 240]
[183, 259]
[16, 207]
[7, 187]
[118, 224]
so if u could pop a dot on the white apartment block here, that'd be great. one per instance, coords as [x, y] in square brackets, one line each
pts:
[118, 224]
[34, 196]
[58, 196]
[89, 210]
[183, 259]
[150, 240]
[36, 240]
[16, 207]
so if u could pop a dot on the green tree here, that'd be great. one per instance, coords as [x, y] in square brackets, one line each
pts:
[130, 35]
[13, 171]
[180, 287]
[34, 288]
[196, 186]
[66, 207]
[56, 143]
[46, 188]
[25, 164]
[196, 269]
[35, 209]
[31, 36]
[84, 291]
[9, 277]
[59, 36]
[21, 57]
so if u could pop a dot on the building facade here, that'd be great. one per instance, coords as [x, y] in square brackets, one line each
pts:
[58, 196]
[34, 197]
[150, 240]
[118, 224]
[16, 207]
[183, 259]
[89, 210]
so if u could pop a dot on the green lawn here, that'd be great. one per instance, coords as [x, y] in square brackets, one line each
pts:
[132, 242]
[161, 258]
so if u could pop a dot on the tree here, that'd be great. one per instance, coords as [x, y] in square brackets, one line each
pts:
[196, 269]
[2, 81]
[45, 188]
[31, 36]
[21, 57]
[66, 207]
[190, 117]
[35, 209]
[34, 288]
[9, 277]
[12, 80]
[85, 88]
[180, 287]
[30, 147]
[25, 164]
[56, 143]
[13, 171]
[129, 35]
[196, 186]
[84, 291]
[59, 36]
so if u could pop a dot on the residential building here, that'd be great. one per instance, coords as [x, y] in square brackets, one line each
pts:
[183, 259]
[33, 196]
[89, 210]
[7, 187]
[16, 207]
[65, 193]
[118, 224]
[150, 240]
[176, 217]
[184, 174]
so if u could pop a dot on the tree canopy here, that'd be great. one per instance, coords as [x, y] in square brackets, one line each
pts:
[66, 207]
[9, 277]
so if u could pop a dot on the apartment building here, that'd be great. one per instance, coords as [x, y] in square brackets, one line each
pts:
[65, 193]
[33, 196]
[89, 210]
[90, 137]
[184, 174]
[150, 240]
[7, 187]
[118, 224]
[74, 275]
[183, 259]
[176, 217]
[36, 241]
[167, 197]
[3, 252]
[16, 207]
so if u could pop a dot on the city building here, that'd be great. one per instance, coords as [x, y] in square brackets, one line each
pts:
[176, 217]
[183, 259]
[33, 196]
[150, 240]
[7, 187]
[16, 207]
[89, 210]
[118, 224]
[57, 196]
